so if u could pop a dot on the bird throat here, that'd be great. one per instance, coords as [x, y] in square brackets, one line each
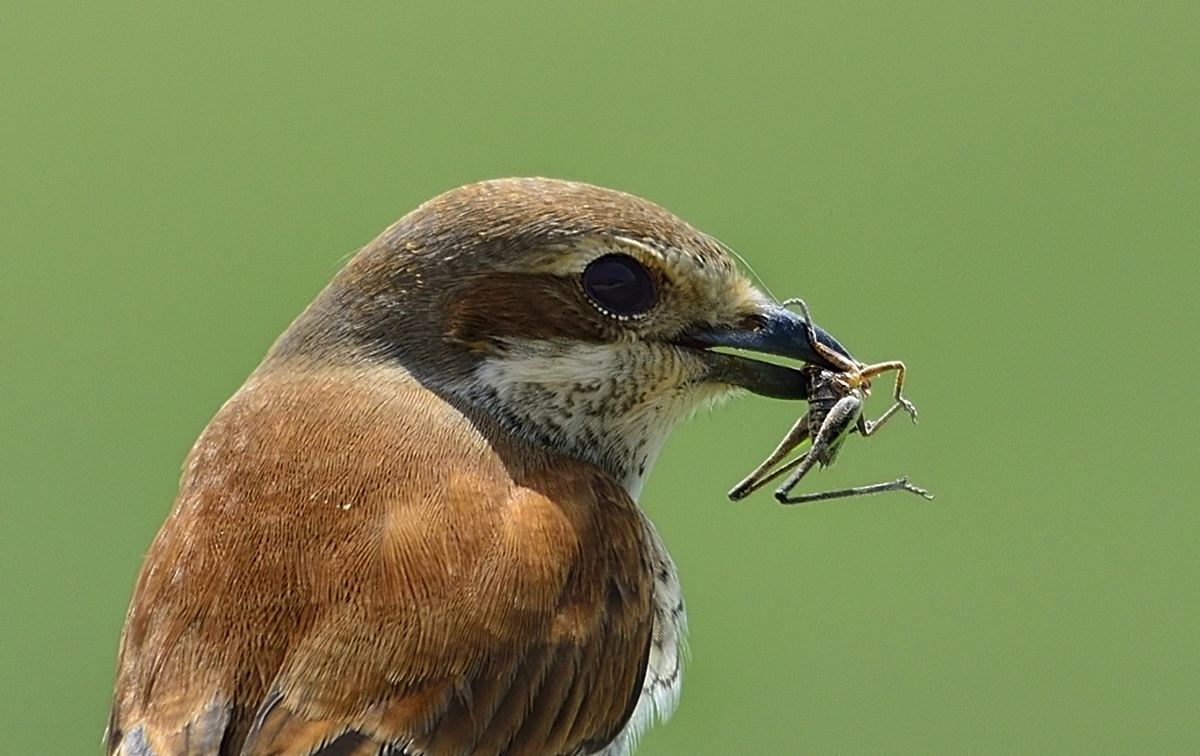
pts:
[610, 404]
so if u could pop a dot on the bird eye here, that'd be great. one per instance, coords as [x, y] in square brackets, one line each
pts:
[619, 284]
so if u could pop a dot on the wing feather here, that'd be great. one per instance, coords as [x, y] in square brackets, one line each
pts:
[487, 598]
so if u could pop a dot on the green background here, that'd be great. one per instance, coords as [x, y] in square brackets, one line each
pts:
[1005, 196]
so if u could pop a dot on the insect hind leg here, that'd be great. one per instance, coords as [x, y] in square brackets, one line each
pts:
[826, 441]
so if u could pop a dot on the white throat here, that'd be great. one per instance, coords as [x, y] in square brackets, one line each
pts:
[611, 404]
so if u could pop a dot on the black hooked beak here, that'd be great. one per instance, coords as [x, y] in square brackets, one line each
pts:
[773, 330]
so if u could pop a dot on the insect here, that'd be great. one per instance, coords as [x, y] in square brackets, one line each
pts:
[835, 411]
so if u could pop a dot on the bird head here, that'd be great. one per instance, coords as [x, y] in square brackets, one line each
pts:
[582, 319]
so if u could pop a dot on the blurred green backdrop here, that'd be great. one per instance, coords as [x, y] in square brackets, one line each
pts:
[1006, 196]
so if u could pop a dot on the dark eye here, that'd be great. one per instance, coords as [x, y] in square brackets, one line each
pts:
[619, 284]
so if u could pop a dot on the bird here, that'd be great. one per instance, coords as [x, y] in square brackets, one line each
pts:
[415, 530]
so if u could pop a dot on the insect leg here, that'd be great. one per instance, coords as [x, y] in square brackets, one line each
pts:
[826, 441]
[837, 360]
[900, 402]
[900, 484]
[763, 473]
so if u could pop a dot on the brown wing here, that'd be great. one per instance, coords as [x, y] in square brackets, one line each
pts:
[354, 567]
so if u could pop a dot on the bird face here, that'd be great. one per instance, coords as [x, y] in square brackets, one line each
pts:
[580, 318]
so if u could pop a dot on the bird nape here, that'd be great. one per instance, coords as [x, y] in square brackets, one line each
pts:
[415, 530]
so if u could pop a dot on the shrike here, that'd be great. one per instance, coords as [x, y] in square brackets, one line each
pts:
[414, 531]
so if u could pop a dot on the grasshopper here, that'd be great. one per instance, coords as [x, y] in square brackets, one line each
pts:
[835, 411]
